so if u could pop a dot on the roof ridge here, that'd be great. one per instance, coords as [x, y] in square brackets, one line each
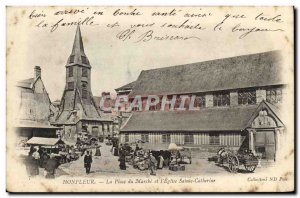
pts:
[126, 85]
[254, 70]
[218, 59]
[206, 108]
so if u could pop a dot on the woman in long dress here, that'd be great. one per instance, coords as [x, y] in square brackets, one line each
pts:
[98, 152]
[35, 162]
[161, 161]
[122, 161]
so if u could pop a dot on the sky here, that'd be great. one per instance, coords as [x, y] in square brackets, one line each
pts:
[115, 62]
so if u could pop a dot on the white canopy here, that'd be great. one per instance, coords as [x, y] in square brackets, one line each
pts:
[173, 146]
[44, 141]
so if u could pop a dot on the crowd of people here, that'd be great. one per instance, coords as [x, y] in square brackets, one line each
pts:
[139, 158]
[38, 158]
[142, 159]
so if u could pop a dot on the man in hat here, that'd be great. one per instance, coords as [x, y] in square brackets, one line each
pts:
[122, 159]
[88, 162]
[51, 166]
[152, 164]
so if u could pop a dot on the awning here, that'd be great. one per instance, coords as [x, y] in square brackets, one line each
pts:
[35, 125]
[45, 141]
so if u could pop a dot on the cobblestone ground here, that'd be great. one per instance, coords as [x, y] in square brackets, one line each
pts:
[108, 165]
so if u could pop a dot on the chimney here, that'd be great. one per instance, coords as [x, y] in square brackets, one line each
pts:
[105, 93]
[37, 71]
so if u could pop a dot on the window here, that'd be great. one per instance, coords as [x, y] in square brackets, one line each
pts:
[84, 60]
[135, 109]
[70, 71]
[72, 59]
[214, 139]
[70, 85]
[177, 102]
[200, 101]
[84, 89]
[221, 99]
[247, 97]
[166, 138]
[156, 107]
[84, 72]
[126, 137]
[188, 138]
[84, 84]
[274, 95]
[145, 137]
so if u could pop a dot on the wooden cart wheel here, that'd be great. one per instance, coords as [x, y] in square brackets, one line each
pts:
[250, 168]
[233, 164]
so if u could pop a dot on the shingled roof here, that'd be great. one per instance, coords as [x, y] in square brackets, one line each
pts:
[207, 119]
[230, 118]
[84, 111]
[127, 86]
[27, 83]
[78, 54]
[245, 71]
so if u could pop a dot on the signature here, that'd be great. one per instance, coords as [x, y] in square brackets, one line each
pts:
[131, 34]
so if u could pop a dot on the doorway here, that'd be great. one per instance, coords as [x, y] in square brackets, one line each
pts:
[265, 144]
[95, 131]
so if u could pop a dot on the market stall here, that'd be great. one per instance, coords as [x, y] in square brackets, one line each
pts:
[49, 146]
[52, 145]
[175, 164]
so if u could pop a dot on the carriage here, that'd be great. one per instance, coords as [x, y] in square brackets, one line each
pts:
[234, 161]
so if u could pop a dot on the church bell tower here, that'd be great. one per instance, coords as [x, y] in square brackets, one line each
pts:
[77, 101]
[78, 70]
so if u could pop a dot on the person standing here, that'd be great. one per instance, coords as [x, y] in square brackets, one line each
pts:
[120, 149]
[98, 152]
[122, 160]
[35, 162]
[88, 162]
[116, 150]
[50, 167]
[152, 164]
[160, 163]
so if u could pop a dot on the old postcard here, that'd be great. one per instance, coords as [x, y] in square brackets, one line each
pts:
[150, 99]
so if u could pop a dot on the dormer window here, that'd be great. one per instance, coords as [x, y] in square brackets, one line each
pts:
[72, 59]
[247, 97]
[274, 95]
[221, 99]
[84, 60]
[200, 101]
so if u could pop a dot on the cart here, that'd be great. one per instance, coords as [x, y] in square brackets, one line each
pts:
[234, 161]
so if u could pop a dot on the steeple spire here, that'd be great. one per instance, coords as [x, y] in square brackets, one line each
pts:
[78, 44]
[78, 56]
